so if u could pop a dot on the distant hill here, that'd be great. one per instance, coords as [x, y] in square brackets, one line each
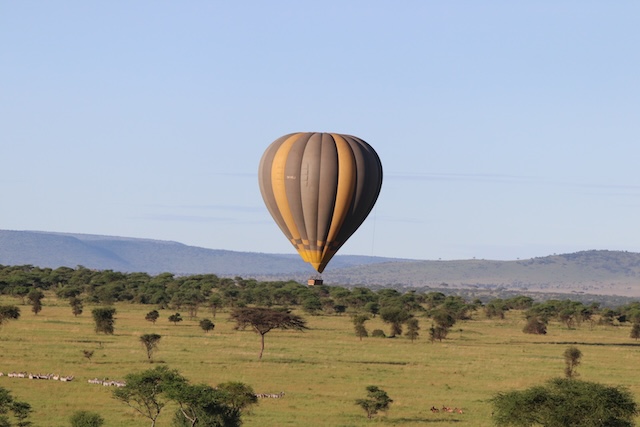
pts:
[592, 272]
[46, 249]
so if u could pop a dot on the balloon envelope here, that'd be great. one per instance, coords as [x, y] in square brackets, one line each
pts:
[319, 188]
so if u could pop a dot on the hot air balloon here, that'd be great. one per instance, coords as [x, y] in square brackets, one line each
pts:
[319, 188]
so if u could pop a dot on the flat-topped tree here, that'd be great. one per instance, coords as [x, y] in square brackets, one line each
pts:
[262, 320]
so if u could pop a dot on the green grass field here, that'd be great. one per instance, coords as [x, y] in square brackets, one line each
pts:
[321, 371]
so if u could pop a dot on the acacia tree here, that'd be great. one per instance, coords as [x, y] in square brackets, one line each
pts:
[175, 318]
[377, 400]
[20, 410]
[635, 331]
[152, 316]
[35, 297]
[496, 308]
[437, 332]
[564, 402]
[202, 404]
[150, 343]
[572, 357]
[103, 317]
[215, 302]
[262, 320]
[76, 306]
[9, 312]
[237, 395]
[444, 320]
[395, 316]
[144, 391]
[148, 393]
[207, 325]
[358, 324]
[412, 329]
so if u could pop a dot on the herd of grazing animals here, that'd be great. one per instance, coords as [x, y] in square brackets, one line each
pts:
[270, 395]
[105, 382]
[55, 377]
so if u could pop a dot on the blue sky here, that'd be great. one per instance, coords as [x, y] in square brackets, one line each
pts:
[506, 129]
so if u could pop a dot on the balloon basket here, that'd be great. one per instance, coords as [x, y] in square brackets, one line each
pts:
[314, 281]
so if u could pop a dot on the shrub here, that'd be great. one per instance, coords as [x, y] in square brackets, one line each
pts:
[378, 333]
[564, 402]
[86, 419]
[535, 325]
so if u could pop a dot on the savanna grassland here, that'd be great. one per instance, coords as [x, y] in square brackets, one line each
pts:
[321, 371]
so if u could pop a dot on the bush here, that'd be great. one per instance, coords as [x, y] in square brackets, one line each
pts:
[207, 325]
[378, 333]
[535, 325]
[86, 419]
[564, 402]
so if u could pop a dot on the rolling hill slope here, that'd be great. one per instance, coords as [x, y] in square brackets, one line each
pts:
[45, 249]
[594, 272]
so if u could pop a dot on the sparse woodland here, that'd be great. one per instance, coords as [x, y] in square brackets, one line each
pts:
[437, 337]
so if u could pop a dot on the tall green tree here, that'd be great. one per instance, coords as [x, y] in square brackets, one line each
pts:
[263, 320]
[564, 402]
[104, 320]
[377, 400]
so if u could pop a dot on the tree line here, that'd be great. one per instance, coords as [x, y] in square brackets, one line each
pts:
[190, 294]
